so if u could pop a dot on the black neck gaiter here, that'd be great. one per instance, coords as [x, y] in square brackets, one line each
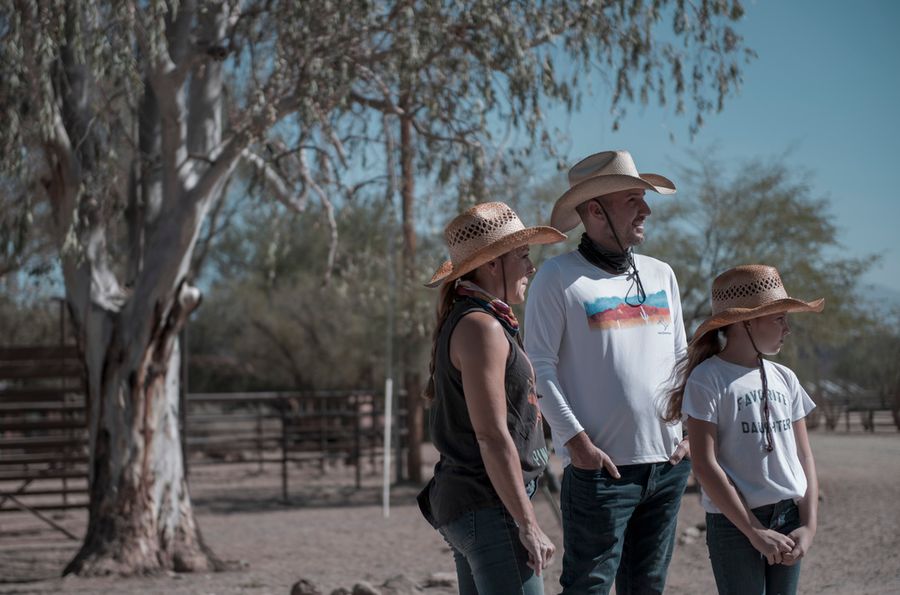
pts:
[611, 262]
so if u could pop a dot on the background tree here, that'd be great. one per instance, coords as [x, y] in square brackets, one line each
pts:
[869, 354]
[131, 117]
[26, 317]
[271, 323]
[456, 75]
[129, 120]
[764, 213]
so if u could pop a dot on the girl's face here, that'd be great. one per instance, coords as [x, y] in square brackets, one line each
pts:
[518, 268]
[769, 332]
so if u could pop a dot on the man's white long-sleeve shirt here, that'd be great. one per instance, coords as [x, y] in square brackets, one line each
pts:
[603, 366]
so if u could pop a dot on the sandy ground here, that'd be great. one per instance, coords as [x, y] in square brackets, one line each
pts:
[336, 535]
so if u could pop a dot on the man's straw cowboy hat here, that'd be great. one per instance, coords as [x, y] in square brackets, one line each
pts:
[599, 174]
[481, 234]
[747, 292]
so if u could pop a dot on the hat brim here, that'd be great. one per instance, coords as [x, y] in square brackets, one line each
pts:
[530, 235]
[732, 315]
[564, 216]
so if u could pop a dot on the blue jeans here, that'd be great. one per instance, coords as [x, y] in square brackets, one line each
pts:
[620, 530]
[490, 559]
[739, 567]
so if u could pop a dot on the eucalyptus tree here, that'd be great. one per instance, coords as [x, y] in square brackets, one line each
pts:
[129, 119]
[132, 116]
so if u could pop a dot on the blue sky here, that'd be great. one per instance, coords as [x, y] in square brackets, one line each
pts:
[825, 87]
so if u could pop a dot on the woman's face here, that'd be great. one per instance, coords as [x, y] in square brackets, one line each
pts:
[518, 268]
[769, 332]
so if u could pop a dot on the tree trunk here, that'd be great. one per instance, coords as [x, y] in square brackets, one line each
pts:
[141, 518]
[411, 380]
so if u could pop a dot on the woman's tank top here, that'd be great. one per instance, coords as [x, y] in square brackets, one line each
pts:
[460, 482]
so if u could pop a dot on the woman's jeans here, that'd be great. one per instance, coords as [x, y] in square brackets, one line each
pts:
[490, 559]
[620, 530]
[739, 567]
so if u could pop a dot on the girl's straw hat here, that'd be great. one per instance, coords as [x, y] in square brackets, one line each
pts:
[750, 291]
[483, 233]
[599, 174]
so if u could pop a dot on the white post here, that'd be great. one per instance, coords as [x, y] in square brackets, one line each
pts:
[386, 487]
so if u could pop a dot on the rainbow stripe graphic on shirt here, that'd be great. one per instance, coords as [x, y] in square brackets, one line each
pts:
[614, 313]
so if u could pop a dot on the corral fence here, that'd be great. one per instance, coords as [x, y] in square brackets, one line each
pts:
[43, 431]
[290, 428]
[44, 438]
[838, 402]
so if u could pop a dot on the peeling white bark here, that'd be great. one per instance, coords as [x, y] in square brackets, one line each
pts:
[141, 518]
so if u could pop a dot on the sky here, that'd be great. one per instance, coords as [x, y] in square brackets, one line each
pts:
[825, 88]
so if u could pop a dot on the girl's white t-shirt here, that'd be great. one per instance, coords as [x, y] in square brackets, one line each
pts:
[730, 396]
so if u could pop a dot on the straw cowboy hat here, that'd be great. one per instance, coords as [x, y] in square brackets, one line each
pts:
[599, 174]
[481, 234]
[750, 291]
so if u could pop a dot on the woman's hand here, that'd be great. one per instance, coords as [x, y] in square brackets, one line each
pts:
[803, 537]
[540, 548]
[772, 544]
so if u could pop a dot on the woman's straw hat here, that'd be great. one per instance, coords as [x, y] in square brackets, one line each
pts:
[750, 291]
[599, 174]
[483, 233]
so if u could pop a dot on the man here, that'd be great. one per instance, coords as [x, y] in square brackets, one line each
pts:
[604, 331]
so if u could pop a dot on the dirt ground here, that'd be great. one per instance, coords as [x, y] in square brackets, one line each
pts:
[336, 535]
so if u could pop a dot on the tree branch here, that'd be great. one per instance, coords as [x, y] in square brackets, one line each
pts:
[329, 211]
[275, 182]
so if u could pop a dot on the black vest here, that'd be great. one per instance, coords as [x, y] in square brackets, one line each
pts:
[460, 482]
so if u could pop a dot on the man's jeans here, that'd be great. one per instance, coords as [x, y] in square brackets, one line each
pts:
[620, 529]
[739, 567]
[490, 559]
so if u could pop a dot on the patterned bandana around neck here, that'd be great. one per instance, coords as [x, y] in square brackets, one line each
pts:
[494, 305]
[611, 262]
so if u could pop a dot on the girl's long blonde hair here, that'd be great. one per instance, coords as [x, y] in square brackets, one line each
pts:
[698, 352]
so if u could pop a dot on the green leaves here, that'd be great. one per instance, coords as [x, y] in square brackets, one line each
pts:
[765, 213]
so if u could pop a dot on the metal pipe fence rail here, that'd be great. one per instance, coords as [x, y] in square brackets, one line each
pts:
[286, 428]
[43, 431]
[44, 440]
[873, 415]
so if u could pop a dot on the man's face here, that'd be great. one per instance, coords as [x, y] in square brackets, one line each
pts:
[627, 211]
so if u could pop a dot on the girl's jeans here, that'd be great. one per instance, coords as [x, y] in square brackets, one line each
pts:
[490, 559]
[739, 568]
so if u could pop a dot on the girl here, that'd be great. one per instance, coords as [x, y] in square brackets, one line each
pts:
[484, 416]
[750, 450]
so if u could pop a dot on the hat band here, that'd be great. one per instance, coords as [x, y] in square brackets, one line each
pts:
[752, 301]
[467, 244]
[750, 294]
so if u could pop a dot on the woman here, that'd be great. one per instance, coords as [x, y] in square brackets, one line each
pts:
[749, 445]
[485, 420]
